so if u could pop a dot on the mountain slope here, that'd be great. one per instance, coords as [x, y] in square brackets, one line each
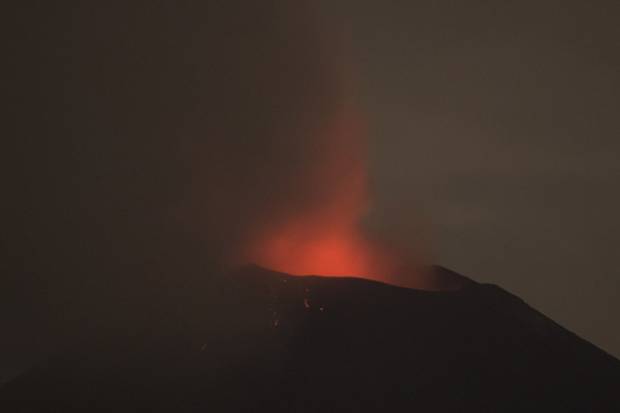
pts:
[277, 342]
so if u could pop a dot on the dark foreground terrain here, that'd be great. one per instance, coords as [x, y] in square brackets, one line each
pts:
[278, 343]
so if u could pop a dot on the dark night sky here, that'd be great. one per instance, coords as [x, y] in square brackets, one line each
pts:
[499, 122]
[493, 132]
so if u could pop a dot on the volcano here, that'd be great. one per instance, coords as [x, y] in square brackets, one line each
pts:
[274, 342]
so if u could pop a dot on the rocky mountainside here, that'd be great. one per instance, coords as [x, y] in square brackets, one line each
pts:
[276, 342]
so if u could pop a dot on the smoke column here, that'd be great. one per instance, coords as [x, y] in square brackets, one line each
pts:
[316, 227]
[306, 184]
[326, 238]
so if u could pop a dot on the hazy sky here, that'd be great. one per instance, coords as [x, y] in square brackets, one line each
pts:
[499, 122]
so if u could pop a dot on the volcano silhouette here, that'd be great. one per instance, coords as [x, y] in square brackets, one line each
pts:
[280, 343]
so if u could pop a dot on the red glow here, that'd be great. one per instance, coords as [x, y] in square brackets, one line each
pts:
[299, 248]
[325, 238]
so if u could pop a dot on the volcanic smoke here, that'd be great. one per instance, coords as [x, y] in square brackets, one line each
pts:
[281, 178]
[327, 238]
[318, 169]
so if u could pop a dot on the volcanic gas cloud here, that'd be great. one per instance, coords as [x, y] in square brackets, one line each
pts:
[281, 177]
[326, 237]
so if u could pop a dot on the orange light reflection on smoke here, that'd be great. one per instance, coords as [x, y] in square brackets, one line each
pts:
[327, 239]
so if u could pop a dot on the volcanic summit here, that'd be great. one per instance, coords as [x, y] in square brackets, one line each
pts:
[282, 343]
